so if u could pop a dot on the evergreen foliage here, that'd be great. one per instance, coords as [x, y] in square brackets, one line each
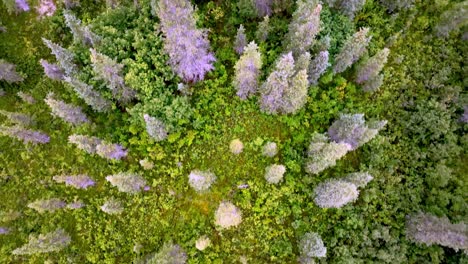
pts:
[80, 181]
[247, 71]
[155, 128]
[127, 182]
[18, 118]
[352, 50]
[8, 72]
[46, 8]
[81, 34]
[429, 229]
[368, 72]
[335, 193]
[274, 173]
[201, 180]
[353, 130]
[305, 25]
[263, 7]
[89, 95]
[270, 149]
[452, 19]
[110, 71]
[263, 29]
[64, 57]
[323, 154]
[236, 146]
[240, 41]
[318, 66]
[285, 90]
[227, 215]
[48, 205]
[26, 135]
[311, 246]
[188, 47]
[86, 143]
[53, 71]
[112, 206]
[395, 5]
[69, 113]
[43, 243]
[169, 254]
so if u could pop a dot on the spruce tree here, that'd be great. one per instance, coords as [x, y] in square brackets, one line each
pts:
[110, 71]
[49, 242]
[247, 71]
[318, 66]
[68, 112]
[241, 40]
[53, 71]
[64, 57]
[323, 154]
[81, 34]
[429, 229]
[370, 69]
[263, 29]
[89, 95]
[352, 50]
[305, 25]
[285, 90]
[8, 72]
[26, 135]
[188, 47]
[127, 182]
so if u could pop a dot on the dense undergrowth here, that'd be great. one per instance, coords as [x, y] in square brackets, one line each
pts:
[418, 160]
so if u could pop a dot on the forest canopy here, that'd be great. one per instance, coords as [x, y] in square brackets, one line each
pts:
[244, 131]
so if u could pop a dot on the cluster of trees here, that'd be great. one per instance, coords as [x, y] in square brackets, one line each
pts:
[305, 58]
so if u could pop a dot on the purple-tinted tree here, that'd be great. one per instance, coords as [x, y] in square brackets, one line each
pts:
[18, 118]
[353, 130]
[373, 84]
[111, 151]
[227, 215]
[48, 205]
[263, 7]
[86, 143]
[4, 230]
[247, 71]
[21, 6]
[464, 117]
[429, 229]
[201, 180]
[67, 112]
[76, 205]
[8, 73]
[285, 90]
[305, 25]
[155, 128]
[394, 5]
[370, 69]
[53, 71]
[452, 19]
[127, 182]
[46, 8]
[168, 254]
[311, 246]
[64, 57]
[270, 149]
[347, 7]
[360, 179]
[112, 206]
[323, 154]
[318, 66]
[188, 47]
[69, 4]
[109, 71]
[89, 95]
[352, 50]
[27, 136]
[335, 194]
[27, 98]
[49, 242]
[241, 40]
[263, 29]
[81, 34]
[80, 181]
